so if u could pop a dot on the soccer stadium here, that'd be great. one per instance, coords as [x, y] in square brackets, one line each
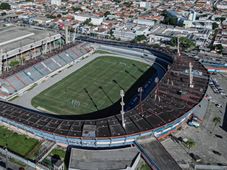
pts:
[159, 92]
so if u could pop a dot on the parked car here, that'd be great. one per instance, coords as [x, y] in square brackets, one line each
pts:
[216, 152]
[218, 105]
[195, 157]
[193, 123]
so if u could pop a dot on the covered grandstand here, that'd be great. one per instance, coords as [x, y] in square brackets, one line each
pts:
[165, 107]
[24, 43]
[26, 76]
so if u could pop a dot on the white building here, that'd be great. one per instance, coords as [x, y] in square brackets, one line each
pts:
[94, 19]
[222, 5]
[129, 31]
[56, 2]
[162, 33]
[26, 42]
[192, 16]
[144, 22]
[145, 4]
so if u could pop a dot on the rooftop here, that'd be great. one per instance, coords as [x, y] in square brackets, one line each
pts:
[102, 159]
[12, 37]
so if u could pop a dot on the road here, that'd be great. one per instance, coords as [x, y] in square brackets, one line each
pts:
[10, 165]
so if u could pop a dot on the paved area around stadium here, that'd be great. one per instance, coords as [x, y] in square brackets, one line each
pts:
[205, 137]
[25, 99]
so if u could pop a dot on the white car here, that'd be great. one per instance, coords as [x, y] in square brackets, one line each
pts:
[194, 123]
[218, 105]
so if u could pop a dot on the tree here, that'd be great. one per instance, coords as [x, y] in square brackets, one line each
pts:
[87, 21]
[190, 144]
[139, 38]
[5, 6]
[75, 9]
[214, 25]
[184, 42]
[111, 32]
[173, 41]
[59, 16]
[219, 48]
[50, 16]
[216, 121]
[117, 1]
[107, 13]
[14, 63]
[127, 4]
[221, 19]
[169, 20]
[214, 8]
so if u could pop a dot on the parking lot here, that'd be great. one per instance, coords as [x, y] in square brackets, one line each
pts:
[210, 140]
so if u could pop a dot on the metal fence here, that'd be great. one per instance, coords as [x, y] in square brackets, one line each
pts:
[9, 155]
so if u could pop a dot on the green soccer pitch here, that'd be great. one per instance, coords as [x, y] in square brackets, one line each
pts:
[93, 87]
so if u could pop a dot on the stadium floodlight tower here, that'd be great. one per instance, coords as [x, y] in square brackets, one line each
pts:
[190, 75]
[156, 80]
[178, 45]
[67, 33]
[140, 91]
[1, 59]
[122, 94]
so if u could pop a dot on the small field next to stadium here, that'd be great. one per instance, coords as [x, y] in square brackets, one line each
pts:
[93, 87]
[19, 144]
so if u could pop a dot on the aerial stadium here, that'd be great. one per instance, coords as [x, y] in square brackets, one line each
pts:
[110, 101]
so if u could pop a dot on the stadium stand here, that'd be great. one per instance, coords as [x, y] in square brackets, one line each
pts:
[165, 107]
[37, 69]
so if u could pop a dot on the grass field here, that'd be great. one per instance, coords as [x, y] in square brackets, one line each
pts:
[143, 165]
[93, 87]
[58, 151]
[19, 144]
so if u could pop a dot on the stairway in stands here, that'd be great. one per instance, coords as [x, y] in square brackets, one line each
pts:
[46, 148]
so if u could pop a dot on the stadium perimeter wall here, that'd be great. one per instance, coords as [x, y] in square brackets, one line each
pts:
[108, 141]
[104, 142]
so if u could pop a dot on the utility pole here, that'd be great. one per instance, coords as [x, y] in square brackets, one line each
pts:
[140, 90]
[157, 90]
[1, 61]
[190, 75]
[122, 94]
[6, 164]
[66, 33]
[178, 46]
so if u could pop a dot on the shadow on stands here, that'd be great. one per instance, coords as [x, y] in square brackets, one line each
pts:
[224, 125]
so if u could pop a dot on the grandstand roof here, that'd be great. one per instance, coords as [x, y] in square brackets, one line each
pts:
[12, 37]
